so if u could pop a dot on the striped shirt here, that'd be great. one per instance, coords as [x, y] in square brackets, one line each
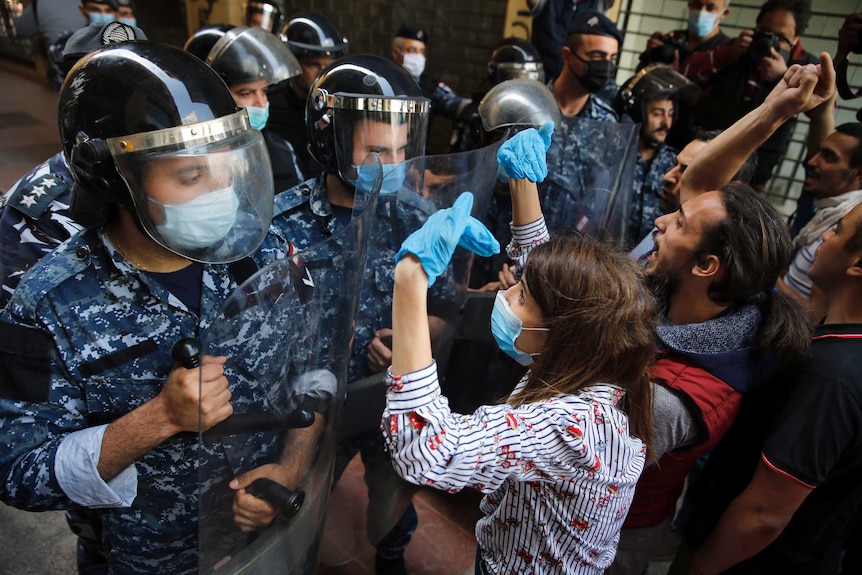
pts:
[559, 475]
[796, 277]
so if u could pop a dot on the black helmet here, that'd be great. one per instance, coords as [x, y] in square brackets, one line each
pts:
[246, 54]
[370, 88]
[651, 83]
[515, 58]
[270, 15]
[312, 34]
[129, 112]
[201, 42]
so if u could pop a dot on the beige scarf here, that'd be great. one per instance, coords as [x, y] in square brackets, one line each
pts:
[829, 211]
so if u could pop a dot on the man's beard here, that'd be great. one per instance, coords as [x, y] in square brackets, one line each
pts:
[661, 284]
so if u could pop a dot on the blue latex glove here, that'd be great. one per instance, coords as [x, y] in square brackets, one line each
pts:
[435, 242]
[523, 155]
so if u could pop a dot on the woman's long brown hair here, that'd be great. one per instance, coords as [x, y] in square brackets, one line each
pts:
[601, 325]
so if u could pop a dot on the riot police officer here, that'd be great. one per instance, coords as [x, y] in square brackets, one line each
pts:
[650, 98]
[316, 42]
[510, 58]
[263, 14]
[250, 61]
[342, 131]
[158, 152]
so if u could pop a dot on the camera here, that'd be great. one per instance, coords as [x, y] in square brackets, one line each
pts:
[763, 43]
[663, 54]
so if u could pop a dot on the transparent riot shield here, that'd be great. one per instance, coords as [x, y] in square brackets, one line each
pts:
[590, 176]
[286, 332]
[411, 192]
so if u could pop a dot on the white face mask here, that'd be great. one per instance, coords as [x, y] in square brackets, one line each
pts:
[201, 222]
[414, 63]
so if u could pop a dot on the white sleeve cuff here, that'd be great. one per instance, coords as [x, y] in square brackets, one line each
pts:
[76, 467]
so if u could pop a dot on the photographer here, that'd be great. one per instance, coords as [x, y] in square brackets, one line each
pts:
[684, 49]
[849, 41]
[703, 33]
[756, 60]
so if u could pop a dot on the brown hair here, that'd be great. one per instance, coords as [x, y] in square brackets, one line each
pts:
[601, 325]
[754, 247]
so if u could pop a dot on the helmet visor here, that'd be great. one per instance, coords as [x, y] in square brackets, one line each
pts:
[393, 128]
[203, 191]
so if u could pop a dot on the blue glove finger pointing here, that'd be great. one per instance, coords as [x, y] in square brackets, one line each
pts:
[435, 242]
[478, 239]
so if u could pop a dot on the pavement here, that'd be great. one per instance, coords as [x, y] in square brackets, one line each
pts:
[32, 543]
[28, 123]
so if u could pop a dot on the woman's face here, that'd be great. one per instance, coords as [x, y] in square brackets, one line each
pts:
[526, 308]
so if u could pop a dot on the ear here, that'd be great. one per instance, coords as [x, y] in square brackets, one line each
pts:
[707, 267]
[855, 268]
[857, 175]
[566, 52]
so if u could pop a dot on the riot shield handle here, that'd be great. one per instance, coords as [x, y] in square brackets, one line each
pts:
[277, 495]
[187, 353]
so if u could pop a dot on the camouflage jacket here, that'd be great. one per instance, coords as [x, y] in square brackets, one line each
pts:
[574, 171]
[646, 192]
[87, 338]
[304, 215]
[34, 219]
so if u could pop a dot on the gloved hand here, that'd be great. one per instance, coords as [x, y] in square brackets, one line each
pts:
[435, 242]
[523, 155]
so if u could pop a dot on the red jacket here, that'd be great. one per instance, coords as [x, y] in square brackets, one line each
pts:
[713, 405]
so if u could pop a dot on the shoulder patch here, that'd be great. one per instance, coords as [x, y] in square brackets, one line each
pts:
[292, 198]
[33, 198]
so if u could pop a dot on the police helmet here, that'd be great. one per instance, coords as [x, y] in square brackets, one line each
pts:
[270, 15]
[515, 58]
[246, 54]
[314, 35]
[370, 89]
[201, 42]
[131, 112]
[651, 83]
[518, 103]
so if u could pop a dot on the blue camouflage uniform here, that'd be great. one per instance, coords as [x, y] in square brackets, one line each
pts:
[304, 215]
[34, 219]
[87, 338]
[646, 192]
[570, 160]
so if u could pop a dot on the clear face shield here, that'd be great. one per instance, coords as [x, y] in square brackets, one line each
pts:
[393, 128]
[199, 190]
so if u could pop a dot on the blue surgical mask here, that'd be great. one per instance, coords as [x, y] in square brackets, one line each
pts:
[701, 23]
[201, 222]
[100, 17]
[258, 116]
[506, 327]
[128, 21]
[393, 177]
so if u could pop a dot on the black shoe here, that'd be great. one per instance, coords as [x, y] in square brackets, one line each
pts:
[383, 566]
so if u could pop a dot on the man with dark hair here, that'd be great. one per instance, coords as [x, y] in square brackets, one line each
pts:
[703, 33]
[315, 41]
[650, 99]
[409, 45]
[744, 71]
[575, 167]
[833, 177]
[715, 264]
[796, 480]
